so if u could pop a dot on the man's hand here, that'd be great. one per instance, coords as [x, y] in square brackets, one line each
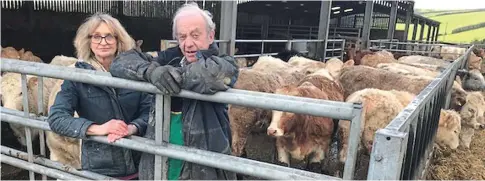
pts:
[209, 75]
[166, 78]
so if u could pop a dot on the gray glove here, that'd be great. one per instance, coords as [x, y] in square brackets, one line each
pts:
[209, 75]
[166, 78]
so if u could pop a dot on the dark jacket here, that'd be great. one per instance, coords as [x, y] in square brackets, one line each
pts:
[97, 105]
[205, 124]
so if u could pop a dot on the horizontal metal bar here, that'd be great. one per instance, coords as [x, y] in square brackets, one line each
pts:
[52, 164]
[254, 55]
[410, 51]
[261, 41]
[335, 49]
[100, 78]
[211, 159]
[39, 169]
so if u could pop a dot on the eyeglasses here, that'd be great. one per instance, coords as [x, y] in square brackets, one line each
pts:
[109, 39]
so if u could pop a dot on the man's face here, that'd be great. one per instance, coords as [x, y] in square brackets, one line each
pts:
[192, 35]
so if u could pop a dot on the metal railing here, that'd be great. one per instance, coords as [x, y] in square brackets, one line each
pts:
[401, 150]
[336, 51]
[428, 49]
[160, 147]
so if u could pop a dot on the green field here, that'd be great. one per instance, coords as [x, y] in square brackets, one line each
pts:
[450, 22]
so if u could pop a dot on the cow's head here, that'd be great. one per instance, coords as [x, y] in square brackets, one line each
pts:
[472, 80]
[449, 129]
[291, 124]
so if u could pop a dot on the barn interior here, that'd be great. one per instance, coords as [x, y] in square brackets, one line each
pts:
[46, 27]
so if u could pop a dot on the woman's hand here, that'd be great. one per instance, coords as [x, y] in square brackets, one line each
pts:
[113, 126]
[132, 129]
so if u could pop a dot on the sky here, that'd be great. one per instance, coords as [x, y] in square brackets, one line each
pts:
[449, 4]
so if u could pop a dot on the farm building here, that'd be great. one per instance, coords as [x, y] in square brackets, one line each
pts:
[399, 149]
[55, 22]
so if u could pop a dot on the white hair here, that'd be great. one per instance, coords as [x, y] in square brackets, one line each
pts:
[190, 9]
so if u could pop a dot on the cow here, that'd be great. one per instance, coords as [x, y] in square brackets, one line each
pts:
[375, 58]
[244, 120]
[380, 107]
[307, 66]
[299, 135]
[449, 129]
[63, 149]
[356, 78]
[12, 99]
[472, 114]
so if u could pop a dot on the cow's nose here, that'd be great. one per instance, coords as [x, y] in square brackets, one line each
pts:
[271, 131]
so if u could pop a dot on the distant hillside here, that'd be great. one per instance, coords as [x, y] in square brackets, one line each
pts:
[454, 20]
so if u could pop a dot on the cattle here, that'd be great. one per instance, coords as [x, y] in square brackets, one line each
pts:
[12, 53]
[380, 107]
[375, 58]
[12, 99]
[472, 114]
[63, 149]
[307, 66]
[244, 120]
[472, 80]
[474, 62]
[424, 60]
[407, 69]
[449, 129]
[356, 78]
[451, 53]
[335, 65]
[299, 135]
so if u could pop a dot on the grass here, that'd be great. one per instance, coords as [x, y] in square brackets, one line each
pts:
[450, 22]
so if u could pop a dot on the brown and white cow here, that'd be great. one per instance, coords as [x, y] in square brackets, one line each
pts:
[299, 135]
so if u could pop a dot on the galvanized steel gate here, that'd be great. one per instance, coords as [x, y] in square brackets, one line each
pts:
[400, 151]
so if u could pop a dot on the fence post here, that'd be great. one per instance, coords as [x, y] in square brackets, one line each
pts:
[162, 133]
[28, 131]
[387, 155]
[354, 141]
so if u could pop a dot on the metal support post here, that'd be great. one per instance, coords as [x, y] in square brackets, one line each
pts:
[392, 20]
[228, 27]
[162, 133]
[323, 27]
[369, 8]
[387, 155]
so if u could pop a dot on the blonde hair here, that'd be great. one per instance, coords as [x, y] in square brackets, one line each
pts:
[82, 42]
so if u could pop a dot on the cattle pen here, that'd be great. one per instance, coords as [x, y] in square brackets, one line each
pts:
[401, 150]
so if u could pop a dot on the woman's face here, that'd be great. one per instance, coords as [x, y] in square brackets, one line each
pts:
[103, 42]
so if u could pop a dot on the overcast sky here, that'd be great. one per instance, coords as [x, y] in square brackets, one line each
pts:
[449, 4]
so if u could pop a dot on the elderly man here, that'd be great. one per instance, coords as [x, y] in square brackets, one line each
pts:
[196, 66]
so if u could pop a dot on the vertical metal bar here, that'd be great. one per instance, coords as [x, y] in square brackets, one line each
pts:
[354, 141]
[228, 26]
[28, 134]
[408, 22]
[392, 20]
[160, 162]
[166, 131]
[40, 108]
[262, 47]
[323, 28]
[369, 8]
[343, 50]
[386, 159]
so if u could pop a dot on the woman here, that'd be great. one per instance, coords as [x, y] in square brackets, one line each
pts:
[102, 110]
